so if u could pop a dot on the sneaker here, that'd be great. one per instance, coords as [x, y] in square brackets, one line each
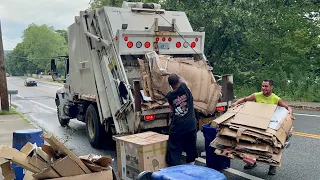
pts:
[272, 170]
[250, 166]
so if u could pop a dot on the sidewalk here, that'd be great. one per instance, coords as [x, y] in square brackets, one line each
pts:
[9, 124]
[46, 81]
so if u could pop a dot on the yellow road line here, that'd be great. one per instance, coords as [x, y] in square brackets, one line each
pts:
[315, 136]
[31, 88]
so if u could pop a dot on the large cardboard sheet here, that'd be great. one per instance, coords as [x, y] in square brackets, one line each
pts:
[204, 88]
[257, 115]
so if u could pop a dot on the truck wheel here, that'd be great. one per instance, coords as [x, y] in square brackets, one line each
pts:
[63, 122]
[95, 131]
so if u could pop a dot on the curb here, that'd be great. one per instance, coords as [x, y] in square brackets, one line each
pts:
[301, 107]
[51, 83]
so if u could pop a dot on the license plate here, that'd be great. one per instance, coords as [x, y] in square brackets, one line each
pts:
[164, 46]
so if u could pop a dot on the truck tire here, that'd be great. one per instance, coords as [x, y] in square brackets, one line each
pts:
[95, 131]
[63, 122]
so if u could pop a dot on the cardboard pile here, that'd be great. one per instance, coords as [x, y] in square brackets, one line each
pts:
[141, 152]
[253, 132]
[54, 162]
[204, 88]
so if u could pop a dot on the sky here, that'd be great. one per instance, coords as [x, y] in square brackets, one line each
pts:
[16, 15]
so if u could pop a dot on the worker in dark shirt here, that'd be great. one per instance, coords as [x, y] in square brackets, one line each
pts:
[183, 129]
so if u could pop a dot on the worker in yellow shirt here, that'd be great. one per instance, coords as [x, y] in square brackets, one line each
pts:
[265, 96]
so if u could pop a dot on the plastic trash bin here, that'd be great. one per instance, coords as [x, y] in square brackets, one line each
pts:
[187, 172]
[212, 160]
[20, 138]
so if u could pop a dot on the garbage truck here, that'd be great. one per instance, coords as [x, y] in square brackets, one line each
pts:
[102, 86]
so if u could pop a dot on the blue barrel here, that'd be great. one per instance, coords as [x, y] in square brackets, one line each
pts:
[18, 171]
[212, 160]
[20, 138]
[187, 172]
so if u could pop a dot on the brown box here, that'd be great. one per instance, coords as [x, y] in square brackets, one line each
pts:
[67, 167]
[141, 152]
[37, 162]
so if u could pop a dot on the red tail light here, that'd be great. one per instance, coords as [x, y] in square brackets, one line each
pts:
[196, 40]
[149, 117]
[126, 38]
[193, 44]
[178, 44]
[130, 44]
[170, 39]
[220, 108]
[147, 44]
[157, 39]
[163, 39]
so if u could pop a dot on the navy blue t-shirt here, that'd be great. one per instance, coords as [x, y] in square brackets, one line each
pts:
[183, 119]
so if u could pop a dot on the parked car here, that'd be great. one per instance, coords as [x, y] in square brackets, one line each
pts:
[30, 82]
[7, 74]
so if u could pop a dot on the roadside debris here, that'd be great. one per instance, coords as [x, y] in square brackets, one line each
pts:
[54, 161]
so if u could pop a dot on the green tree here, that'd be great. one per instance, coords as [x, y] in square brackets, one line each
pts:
[41, 43]
[38, 45]
[64, 34]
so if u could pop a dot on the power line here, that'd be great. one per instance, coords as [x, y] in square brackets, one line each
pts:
[6, 39]
[24, 57]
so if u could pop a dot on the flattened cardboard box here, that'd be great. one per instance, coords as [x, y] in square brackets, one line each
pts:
[141, 152]
[67, 167]
[59, 147]
[17, 157]
[204, 88]
[283, 126]
[257, 115]
[103, 175]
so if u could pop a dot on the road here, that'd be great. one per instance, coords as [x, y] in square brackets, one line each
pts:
[300, 161]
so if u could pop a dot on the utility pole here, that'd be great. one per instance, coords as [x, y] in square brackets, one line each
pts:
[3, 78]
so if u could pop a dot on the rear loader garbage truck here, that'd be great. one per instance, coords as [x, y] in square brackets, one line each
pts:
[103, 84]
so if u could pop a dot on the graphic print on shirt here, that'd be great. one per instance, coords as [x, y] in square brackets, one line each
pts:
[181, 105]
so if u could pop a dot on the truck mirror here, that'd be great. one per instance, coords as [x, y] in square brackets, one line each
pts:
[124, 26]
[53, 66]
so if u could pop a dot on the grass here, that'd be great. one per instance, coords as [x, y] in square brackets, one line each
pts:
[299, 94]
[51, 80]
[13, 111]
[8, 112]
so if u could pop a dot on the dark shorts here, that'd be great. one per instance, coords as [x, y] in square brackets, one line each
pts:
[179, 143]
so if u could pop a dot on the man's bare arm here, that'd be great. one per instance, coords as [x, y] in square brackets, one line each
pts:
[252, 97]
[285, 105]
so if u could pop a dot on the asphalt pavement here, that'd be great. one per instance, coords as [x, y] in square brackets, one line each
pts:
[300, 161]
